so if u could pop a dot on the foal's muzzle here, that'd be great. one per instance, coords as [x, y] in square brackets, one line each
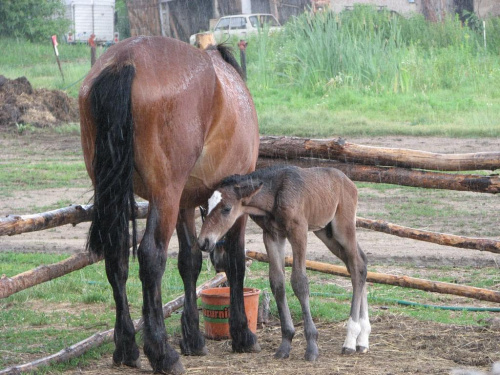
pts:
[204, 245]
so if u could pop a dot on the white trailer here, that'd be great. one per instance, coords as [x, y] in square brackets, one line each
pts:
[91, 17]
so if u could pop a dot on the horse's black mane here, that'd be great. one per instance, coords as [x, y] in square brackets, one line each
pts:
[227, 54]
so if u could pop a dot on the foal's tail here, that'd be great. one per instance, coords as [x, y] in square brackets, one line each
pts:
[110, 101]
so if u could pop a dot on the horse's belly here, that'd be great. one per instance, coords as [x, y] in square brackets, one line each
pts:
[216, 162]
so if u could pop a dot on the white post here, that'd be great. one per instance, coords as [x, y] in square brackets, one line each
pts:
[484, 33]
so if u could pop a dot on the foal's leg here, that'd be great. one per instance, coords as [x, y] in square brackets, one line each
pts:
[300, 285]
[243, 340]
[126, 350]
[275, 247]
[152, 254]
[340, 238]
[189, 264]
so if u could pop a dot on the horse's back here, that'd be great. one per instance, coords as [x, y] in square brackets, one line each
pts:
[187, 103]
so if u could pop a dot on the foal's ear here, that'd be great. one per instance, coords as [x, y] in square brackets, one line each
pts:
[248, 190]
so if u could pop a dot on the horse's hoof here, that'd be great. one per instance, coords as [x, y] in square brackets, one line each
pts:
[135, 363]
[255, 348]
[196, 353]
[361, 349]
[348, 351]
[176, 369]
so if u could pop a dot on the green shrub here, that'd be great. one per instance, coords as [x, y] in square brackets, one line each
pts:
[34, 20]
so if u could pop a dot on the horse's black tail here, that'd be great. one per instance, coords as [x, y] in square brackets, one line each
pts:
[114, 204]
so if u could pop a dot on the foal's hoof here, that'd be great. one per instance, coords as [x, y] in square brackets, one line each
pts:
[282, 354]
[361, 349]
[348, 351]
[311, 357]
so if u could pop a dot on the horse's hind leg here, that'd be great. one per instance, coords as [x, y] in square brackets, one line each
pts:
[126, 350]
[243, 340]
[300, 285]
[152, 254]
[340, 237]
[189, 264]
[275, 247]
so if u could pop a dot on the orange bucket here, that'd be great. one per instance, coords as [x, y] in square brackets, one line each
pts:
[215, 305]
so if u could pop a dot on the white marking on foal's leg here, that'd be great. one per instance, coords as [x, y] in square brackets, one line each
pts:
[366, 328]
[214, 201]
[353, 330]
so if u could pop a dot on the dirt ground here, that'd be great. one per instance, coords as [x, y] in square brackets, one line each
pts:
[399, 345]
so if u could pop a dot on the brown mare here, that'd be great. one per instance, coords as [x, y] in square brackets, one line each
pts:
[167, 122]
[287, 202]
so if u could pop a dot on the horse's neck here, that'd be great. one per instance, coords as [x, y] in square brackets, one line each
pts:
[261, 204]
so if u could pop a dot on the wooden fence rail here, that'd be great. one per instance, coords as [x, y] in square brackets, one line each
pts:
[339, 149]
[403, 281]
[398, 176]
[75, 214]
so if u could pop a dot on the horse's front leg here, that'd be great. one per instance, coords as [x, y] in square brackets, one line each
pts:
[243, 340]
[275, 247]
[300, 284]
[189, 264]
[152, 254]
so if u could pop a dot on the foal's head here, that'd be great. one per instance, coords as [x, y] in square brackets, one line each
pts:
[228, 202]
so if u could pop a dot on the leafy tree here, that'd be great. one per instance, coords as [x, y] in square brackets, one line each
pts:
[35, 20]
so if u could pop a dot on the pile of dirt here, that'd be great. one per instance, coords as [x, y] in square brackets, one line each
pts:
[21, 104]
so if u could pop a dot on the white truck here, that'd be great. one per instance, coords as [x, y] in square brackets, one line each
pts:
[91, 17]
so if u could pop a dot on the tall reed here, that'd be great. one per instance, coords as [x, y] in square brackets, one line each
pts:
[375, 51]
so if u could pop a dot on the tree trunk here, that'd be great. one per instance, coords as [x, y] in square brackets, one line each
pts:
[398, 176]
[293, 148]
[403, 281]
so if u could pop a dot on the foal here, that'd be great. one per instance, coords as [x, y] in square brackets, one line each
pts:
[287, 202]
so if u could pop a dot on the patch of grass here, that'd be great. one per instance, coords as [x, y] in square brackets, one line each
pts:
[42, 175]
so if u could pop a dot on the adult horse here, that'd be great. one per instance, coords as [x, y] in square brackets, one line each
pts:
[167, 122]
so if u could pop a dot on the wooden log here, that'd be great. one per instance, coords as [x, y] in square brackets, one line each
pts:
[481, 244]
[74, 214]
[398, 176]
[339, 149]
[43, 273]
[403, 281]
[106, 336]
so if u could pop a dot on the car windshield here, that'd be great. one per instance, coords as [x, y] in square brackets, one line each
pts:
[238, 23]
[223, 24]
[263, 20]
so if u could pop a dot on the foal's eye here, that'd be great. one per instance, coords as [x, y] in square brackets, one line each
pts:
[226, 210]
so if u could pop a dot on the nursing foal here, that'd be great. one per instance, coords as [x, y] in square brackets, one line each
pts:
[287, 202]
